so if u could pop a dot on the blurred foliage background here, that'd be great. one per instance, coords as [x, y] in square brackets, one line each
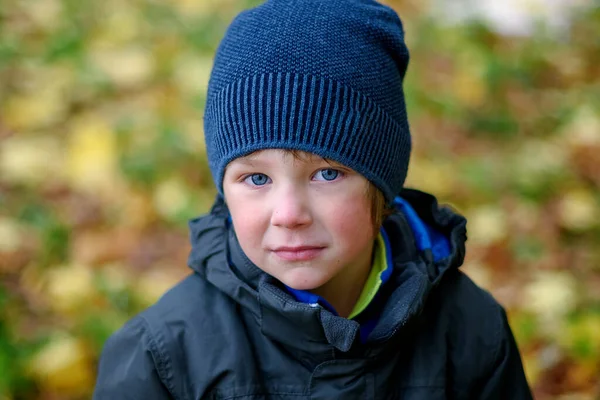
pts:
[102, 162]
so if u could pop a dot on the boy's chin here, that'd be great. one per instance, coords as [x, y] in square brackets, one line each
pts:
[304, 280]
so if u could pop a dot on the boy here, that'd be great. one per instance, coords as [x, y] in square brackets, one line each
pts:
[316, 275]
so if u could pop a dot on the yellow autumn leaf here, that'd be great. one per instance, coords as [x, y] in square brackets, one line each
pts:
[487, 224]
[478, 272]
[92, 159]
[122, 24]
[196, 8]
[573, 67]
[192, 73]
[470, 90]
[33, 281]
[30, 160]
[171, 197]
[45, 13]
[127, 66]
[532, 368]
[469, 82]
[42, 99]
[538, 157]
[584, 130]
[35, 110]
[433, 177]
[11, 235]
[135, 209]
[578, 210]
[69, 287]
[63, 366]
[116, 276]
[536, 161]
[153, 284]
[551, 295]
[193, 134]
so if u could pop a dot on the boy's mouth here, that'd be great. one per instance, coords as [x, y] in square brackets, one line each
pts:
[299, 253]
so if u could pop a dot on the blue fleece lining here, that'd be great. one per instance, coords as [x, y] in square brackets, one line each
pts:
[441, 245]
[385, 275]
[426, 237]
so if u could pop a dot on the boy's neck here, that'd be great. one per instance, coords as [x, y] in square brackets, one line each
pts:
[344, 290]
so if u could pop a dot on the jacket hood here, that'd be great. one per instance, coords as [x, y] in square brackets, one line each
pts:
[426, 240]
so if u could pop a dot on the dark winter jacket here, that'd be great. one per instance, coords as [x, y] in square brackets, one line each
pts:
[230, 331]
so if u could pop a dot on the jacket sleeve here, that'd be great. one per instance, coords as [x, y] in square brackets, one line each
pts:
[127, 369]
[507, 379]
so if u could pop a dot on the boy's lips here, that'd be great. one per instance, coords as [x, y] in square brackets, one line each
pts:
[299, 253]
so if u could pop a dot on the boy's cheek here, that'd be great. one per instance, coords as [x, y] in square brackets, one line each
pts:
[242, 206]
[246, 223]
[352, 212]
[250, 221]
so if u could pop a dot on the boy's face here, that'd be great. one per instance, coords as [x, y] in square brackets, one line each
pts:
[303, 220]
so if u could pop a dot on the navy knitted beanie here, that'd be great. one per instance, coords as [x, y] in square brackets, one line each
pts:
[322, 76]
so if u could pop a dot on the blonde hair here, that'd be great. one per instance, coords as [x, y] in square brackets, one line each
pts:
[380, 209]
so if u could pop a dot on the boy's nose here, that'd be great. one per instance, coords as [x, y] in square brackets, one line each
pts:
[290, 210]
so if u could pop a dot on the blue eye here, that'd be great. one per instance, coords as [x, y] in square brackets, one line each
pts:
[257, 179]
[327, 174]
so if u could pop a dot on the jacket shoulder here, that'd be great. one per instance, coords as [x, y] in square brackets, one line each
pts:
[128, 366]
[481, 351]
[468, 313]
[187, 299]
[188, 313]
[187, 325]
[467, 297]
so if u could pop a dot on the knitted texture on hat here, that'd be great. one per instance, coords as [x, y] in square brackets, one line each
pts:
[322, 76]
